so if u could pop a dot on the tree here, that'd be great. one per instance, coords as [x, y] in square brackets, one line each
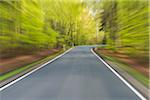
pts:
[33, 25]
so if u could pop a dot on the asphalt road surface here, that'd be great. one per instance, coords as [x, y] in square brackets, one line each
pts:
[78, 75]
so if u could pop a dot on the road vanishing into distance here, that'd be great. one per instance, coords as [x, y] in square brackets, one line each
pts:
[77, 75]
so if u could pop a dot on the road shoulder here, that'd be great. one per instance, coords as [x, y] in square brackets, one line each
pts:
[12, 80]
[134, 85]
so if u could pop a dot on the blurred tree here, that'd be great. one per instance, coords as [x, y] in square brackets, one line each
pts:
[126, 25]
[33, 25]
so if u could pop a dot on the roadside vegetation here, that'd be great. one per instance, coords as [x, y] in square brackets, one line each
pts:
[127, 64]
[126, 36]
[28, 66]
[29, 28]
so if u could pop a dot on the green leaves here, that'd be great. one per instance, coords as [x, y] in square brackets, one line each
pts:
[125, 23]
[43, 24]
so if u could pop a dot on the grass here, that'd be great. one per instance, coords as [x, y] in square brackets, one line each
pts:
[126, 67]
[23, 68]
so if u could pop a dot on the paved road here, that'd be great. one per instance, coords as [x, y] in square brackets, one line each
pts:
[78, 75]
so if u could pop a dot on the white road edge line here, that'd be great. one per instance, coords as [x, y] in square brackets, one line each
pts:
[29, 73]
[120, 77]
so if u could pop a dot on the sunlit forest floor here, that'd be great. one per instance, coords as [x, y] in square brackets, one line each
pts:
[12, 63]
[140, 66]
[136, 67]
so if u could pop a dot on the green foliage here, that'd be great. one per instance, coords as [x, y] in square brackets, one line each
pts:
[42, 24]
[125, 23]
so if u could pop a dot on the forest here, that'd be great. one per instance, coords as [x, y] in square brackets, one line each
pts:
[126, 26]
[30, 26]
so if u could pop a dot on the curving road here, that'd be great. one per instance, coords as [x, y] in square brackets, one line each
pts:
[78, 75]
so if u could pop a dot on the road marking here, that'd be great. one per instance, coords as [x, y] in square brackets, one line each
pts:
[29, 73]
[120, 77]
